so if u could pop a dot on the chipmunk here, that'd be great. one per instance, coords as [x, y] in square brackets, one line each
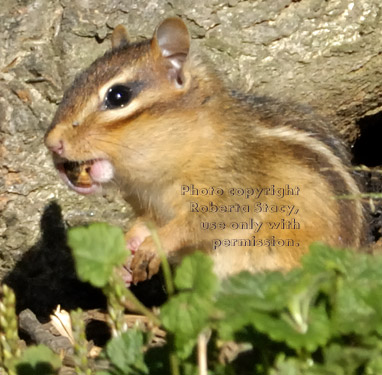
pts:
[246, 179]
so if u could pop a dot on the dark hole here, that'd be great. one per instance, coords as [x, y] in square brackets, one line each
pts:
[367, 151]
[98, 332]
[367, 148]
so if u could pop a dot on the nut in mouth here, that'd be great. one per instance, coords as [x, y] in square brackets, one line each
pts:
[78, 173]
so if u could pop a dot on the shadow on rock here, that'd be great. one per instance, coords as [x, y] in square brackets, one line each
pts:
[45, 276]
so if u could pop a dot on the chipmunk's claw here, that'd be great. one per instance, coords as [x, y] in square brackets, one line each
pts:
[144, 265]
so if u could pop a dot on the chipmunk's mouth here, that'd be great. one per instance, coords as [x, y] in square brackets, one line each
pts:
[85, 177]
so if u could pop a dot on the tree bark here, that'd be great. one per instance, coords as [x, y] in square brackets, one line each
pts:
[326, 54]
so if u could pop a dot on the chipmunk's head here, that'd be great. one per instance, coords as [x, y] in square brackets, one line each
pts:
[116, 111]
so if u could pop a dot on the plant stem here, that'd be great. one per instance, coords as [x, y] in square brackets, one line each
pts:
[142, 308]
[165, 266]
[174, 360]
[202, 353]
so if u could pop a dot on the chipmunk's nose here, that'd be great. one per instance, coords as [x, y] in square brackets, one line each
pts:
[58, 148]
[54, 144]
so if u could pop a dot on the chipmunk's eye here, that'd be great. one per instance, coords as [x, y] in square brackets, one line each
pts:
[118, 96]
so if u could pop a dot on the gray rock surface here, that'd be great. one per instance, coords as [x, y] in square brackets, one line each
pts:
[323, 53]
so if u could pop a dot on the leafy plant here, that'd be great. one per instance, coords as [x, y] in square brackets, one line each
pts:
[97, 249]
[38, 360]
[320, 319]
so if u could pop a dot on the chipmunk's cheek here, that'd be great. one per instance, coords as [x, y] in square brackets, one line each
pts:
[101, 171]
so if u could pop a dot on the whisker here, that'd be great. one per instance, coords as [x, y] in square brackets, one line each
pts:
[117, 144]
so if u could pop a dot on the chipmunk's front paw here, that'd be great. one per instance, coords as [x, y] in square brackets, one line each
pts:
[136, 236]
[126, 274]
[145, 262]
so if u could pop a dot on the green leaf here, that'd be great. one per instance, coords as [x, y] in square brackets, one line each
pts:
[262, 291]
[185, 315]
[97, 249]
[196, 273]
[243, 295]
[347, 360]
[317, 332]
[288, 366]
[374, 366]
[352, 313]
[279, 305]
[322, 258]
[38, 360]
[126, 355]
[356, 294]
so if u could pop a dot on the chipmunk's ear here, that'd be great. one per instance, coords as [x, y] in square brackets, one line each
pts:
[119, 37]
[171, 41]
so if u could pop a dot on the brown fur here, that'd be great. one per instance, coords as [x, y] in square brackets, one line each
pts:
[202, 134]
